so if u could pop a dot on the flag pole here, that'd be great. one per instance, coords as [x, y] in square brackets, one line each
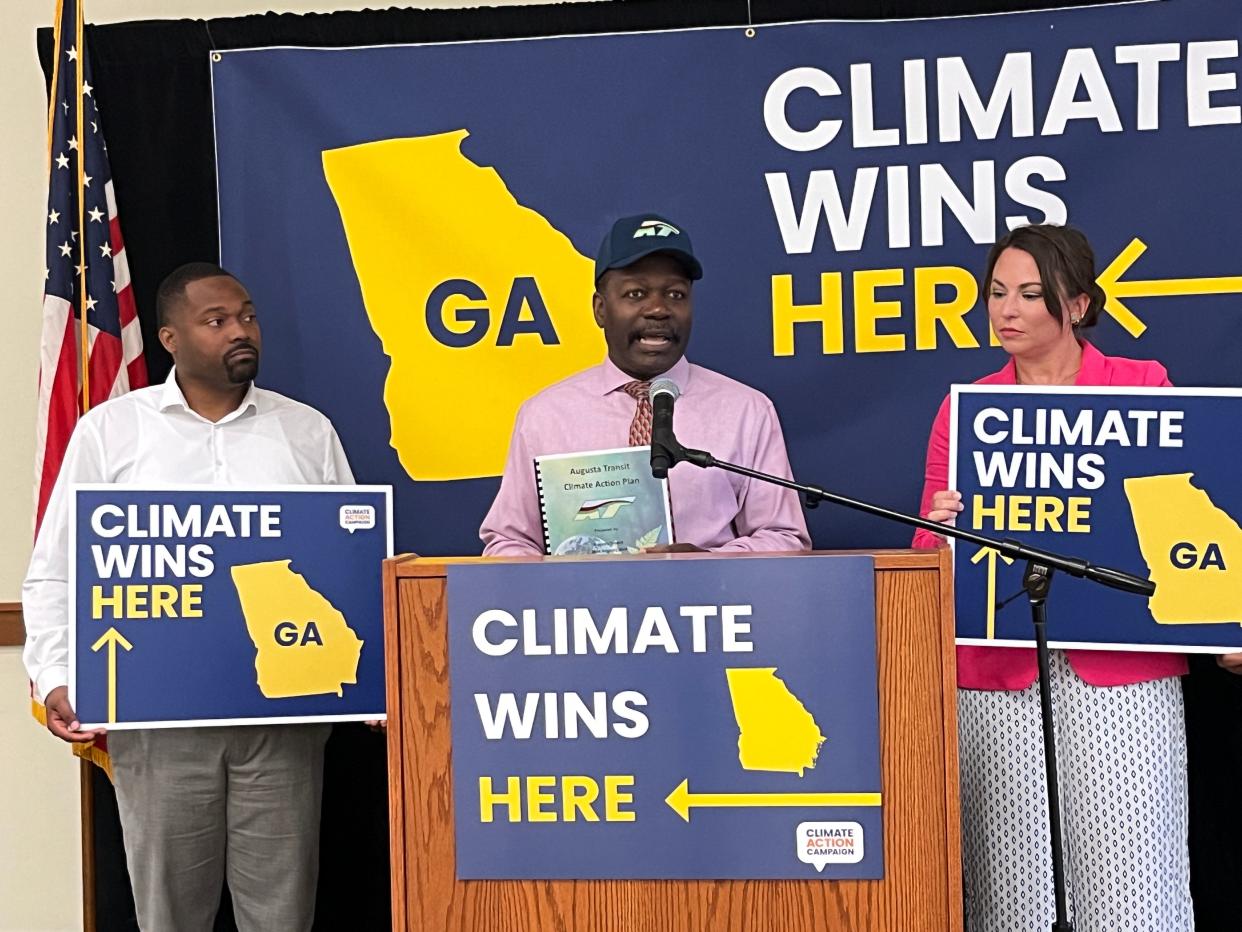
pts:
[84, 344]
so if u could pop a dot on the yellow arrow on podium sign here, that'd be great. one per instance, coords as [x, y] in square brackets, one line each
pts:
[112, 638]
[681, 800]
[1115, 290]
[991, 555]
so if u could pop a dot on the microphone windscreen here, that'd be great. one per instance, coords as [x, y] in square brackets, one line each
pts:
[663, 387]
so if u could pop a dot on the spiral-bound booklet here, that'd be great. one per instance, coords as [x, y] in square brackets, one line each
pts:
[602, 501]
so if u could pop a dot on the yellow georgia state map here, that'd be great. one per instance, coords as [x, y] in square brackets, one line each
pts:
[433, 235]
[776, 731]
[304, 645]
[1190, 546]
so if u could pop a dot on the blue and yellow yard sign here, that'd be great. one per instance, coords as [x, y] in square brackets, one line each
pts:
[1145, 480]
[673, 718]
[201, 605]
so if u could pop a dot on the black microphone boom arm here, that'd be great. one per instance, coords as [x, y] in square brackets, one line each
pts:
[813, 495]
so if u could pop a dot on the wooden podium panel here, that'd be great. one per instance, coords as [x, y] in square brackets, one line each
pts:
[921, 889]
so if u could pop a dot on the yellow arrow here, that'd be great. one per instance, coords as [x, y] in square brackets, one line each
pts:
[112, 638]
[681, 800]
[991, 554]
[1115, 290]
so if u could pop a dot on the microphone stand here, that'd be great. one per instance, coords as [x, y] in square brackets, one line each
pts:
[1036, 580]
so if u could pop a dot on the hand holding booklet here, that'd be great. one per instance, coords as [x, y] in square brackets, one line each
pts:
[602, 501]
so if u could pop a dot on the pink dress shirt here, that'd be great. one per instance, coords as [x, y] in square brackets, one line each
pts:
[713, 509]
[1015, 667]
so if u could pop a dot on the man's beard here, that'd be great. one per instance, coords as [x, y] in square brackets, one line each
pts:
[241, 371]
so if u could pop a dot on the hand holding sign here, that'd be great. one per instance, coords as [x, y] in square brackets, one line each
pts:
[1231, 662]
[945, 506]
[62, 721]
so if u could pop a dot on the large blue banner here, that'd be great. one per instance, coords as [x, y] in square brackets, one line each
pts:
[695, 718]
[198, 605]
[1143, 480]
[417, 223]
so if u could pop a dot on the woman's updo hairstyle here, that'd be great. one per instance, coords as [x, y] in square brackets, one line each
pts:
[1066, 266]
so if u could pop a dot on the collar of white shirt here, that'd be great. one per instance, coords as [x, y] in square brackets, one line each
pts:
[173, 397]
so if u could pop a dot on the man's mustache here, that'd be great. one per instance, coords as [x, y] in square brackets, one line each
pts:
[241, 348]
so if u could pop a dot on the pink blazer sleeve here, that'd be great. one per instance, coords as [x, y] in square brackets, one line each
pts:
[1145, 373]
[935, 474]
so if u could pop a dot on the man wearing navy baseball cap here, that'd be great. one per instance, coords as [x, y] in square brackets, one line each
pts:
[634, 238]
[644, 277]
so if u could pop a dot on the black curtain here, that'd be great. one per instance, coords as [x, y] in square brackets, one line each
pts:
[152, 85]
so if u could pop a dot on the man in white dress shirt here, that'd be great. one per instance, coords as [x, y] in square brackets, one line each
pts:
[197, 805]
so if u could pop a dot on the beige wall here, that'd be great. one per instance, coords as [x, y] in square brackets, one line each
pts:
[40, 859]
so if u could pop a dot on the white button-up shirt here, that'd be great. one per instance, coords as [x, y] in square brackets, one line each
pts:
[150, 436]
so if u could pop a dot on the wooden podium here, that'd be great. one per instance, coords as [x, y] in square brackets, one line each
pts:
[921, 890]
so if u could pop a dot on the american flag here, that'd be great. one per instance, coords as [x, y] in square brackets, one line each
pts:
[86, 358]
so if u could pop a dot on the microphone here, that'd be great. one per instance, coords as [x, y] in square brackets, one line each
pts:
[663, 393]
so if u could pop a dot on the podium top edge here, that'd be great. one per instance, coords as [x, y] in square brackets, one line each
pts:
[413, 565]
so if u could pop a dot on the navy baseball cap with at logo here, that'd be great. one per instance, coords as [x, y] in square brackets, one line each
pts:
[632, 238]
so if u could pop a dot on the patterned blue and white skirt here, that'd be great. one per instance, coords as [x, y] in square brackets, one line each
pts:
[1121, 756]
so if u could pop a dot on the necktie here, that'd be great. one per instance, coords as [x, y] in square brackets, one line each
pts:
[640, 427]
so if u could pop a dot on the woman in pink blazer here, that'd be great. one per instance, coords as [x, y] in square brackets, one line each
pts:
[1121, 737]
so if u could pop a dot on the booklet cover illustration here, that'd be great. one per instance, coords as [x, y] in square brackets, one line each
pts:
[602, 501]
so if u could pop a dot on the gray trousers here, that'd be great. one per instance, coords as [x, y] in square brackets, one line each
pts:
[199, 805]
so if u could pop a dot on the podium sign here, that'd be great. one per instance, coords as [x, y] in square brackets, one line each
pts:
[690, 718]
[1144, 480]
[203, 606]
